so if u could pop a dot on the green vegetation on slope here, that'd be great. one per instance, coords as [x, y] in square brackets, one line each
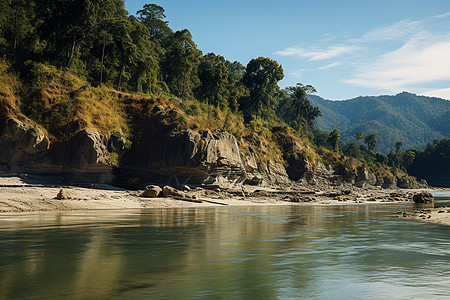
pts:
[73, 64]
[411, 119]
[433, 163]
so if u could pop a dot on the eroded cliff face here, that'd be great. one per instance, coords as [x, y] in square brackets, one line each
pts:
[162, 154]
[82, 159]
[186, 157]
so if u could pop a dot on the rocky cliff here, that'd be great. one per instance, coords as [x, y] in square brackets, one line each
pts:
[163, 154]
[26, 148]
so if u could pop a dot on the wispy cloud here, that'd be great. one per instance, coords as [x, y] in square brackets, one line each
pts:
[329, 66]
[298, 73]
[320, 54]
[407, 55]
[442, 16]
[393, 31]
[423, 59]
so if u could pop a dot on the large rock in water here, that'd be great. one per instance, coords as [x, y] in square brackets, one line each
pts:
[423, 197]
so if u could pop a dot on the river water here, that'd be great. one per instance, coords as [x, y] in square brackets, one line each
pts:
[271, 252]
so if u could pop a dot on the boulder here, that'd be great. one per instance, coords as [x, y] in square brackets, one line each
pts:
[423, 197]
[116, 142]
[255, 180]
[64, 194]
[152, 191]
[169, 191]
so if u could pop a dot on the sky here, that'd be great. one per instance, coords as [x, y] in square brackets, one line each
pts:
[344, 49]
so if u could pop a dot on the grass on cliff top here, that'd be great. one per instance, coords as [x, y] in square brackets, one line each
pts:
[64, 103]
[9, 89]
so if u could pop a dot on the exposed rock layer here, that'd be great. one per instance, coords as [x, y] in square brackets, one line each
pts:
[165, 156]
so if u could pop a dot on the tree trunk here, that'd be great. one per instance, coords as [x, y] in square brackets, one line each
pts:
[69, 61]
[15, 31]
[119, 83]
[101, 68]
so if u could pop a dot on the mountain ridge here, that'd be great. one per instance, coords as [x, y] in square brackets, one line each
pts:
[414, 120]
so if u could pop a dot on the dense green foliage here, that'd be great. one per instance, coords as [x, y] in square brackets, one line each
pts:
[261, 78]
[413, 120]
[295, 108]
[432, 163]
[99, 41]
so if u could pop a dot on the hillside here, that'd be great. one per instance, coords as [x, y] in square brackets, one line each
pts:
[90, 93]
[411, 119]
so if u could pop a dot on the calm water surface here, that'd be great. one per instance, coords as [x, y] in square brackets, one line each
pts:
[283, 252]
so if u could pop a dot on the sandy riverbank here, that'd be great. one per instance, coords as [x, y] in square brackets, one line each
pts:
[16, 196]
[440, 215]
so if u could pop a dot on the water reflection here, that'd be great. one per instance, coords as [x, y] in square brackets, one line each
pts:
[226, 252]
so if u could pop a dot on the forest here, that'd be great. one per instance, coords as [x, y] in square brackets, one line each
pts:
[101, 45]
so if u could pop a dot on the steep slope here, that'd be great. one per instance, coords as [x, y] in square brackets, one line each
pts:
[411, 119]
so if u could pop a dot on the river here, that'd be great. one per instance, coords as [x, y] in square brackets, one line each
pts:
[260, 252]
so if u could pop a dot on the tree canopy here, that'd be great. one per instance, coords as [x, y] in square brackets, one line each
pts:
[261, 78]
[296, 109]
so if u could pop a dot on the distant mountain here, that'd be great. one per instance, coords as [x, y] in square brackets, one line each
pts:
[411, 119]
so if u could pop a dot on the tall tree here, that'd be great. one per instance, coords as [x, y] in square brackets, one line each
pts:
[333, 139]
[398, 145]
[359, 136]
[212, 74]
[235, 88]
[261, 78]
[144, 73]
[371, 141]
[68, 23]
[152, 16]
[179, 64]
[301, 110]
[124, 43]
[106, 13]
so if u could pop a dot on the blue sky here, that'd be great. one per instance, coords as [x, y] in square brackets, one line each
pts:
[343, 48]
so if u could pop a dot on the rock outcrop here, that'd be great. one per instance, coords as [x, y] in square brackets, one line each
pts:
[389, 182]
[364, 177]
[410, 183]
[82, 159]
[166, 156]
[187, 157]
[20, 141]
[423, 197]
